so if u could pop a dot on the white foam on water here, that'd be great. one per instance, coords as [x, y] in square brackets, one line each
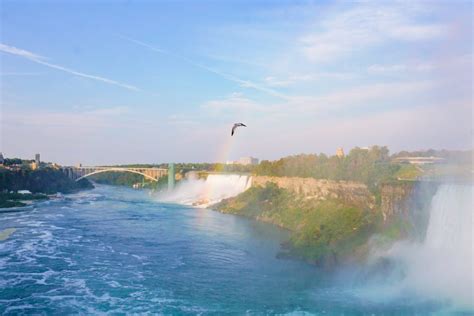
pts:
[6, 233]
[205, 192]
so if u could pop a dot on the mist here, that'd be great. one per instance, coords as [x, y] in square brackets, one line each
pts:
[438, 268]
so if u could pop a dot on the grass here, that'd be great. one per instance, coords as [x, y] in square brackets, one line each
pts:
[409, 172]
[323, 232]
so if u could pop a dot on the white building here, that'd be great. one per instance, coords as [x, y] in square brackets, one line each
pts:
[243, 161]
[420, 160]
[248, 161]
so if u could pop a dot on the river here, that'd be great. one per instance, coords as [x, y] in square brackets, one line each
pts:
[117, 250]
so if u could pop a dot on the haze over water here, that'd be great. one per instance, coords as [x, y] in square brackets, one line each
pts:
[119, 250]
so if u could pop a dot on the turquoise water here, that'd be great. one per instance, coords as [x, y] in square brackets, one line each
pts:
[115, 250]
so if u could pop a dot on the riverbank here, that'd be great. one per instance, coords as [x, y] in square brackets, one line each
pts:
[40, 182]
[333, 222]
[9, 199]
[323, 231]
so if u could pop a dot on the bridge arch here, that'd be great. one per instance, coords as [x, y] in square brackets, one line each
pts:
[117, 170]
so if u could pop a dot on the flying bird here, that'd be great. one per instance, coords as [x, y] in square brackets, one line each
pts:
[235, 127]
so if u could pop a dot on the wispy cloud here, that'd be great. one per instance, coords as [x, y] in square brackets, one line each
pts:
[399, 68]
[236, 102]
[229, 77]
[364, 25]
[238, 60]
[19, 52]
[94, 118]
[41, 60]
[361, 95]
[274, 81]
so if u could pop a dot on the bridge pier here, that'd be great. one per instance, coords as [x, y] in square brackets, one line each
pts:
[171, 176]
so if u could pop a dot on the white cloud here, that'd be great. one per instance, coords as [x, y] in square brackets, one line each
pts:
[413, 127]
[39, 60]
[235, 102]
[371, 98]
[183, 121]
[238, 60]
[416, 127]
[94, 136]
[399, 68]
[229, 77]
[88, 120]
[19, 52]
[365, 25]
[274, 81]
[417, 32]
[361, 95]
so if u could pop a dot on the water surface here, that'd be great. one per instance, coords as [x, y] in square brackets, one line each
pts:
[116, 250]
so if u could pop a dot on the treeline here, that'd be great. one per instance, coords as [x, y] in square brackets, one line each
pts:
[128, 179]
[47, 180]
[186, 167]
[15, 161]
[117, 178]
[370, 166]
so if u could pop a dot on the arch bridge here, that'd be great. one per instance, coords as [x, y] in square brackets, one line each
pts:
[78, 173]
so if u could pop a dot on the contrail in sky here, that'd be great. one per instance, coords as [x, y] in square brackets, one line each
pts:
[40, 60]
[244, 83]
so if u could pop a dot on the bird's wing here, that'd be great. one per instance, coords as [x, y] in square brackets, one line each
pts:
[242, 124]
[233, 129]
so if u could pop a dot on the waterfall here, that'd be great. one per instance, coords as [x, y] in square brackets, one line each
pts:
[205, 192]
[439, 268]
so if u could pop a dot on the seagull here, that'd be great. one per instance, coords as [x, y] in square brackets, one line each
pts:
[235, 126]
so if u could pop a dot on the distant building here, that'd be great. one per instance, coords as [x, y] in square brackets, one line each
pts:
[34, 165]
[420, 160]
[37, 159]
[248, 161]
[2, 160]
[243, 161]
[340, 152]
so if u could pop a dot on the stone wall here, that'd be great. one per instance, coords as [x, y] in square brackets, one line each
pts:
[354, 193]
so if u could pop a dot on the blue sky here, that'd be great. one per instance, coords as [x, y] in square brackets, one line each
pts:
[101, 82]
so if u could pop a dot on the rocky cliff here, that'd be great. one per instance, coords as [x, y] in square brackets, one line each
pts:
[332, 222]
[352, 193]
[407, 203]
[396, 199]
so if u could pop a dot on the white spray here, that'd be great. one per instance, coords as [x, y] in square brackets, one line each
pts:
[441, 267]
[204, 192]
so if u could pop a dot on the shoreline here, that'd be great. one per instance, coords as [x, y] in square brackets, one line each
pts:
[11, 201]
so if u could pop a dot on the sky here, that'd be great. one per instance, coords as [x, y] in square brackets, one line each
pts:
[115, 82]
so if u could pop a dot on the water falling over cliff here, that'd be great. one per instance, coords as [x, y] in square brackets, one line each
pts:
[440, 267]
[204, 192]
